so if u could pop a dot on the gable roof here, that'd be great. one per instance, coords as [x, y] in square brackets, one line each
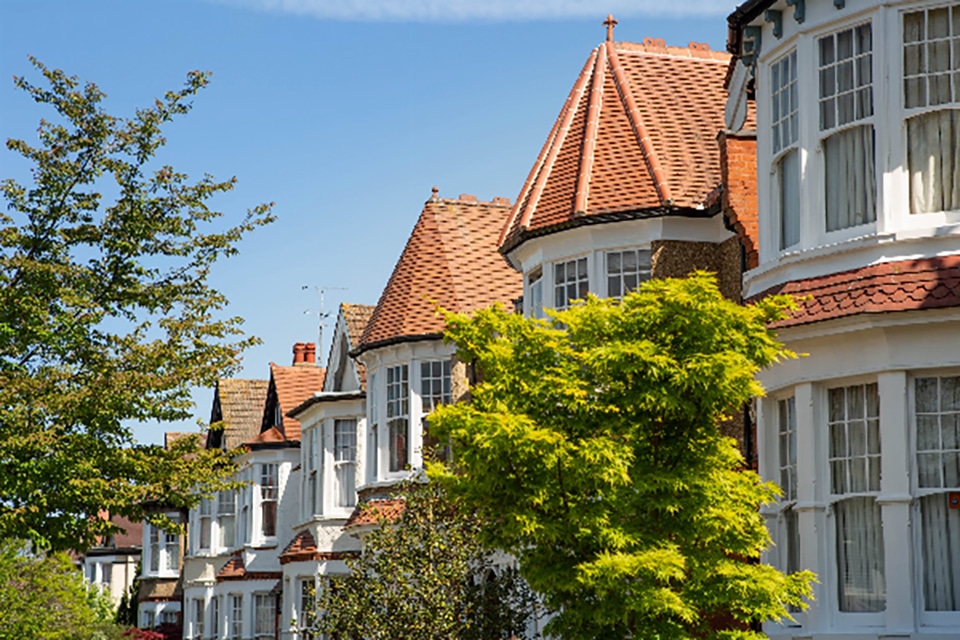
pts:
[289, 386]
[624, 145]
[351, 322]
[450, 259]
[239, 405]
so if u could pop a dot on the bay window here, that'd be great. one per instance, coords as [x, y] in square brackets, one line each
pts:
[345, 461]
[854, 461]
[268, 500]
[434, 384]
[846, 122]
[785, 119]
[937, 424]
[931, 98]
[398, 416]
[570, 282]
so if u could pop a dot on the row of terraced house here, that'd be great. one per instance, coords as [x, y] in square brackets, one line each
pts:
[819, 157]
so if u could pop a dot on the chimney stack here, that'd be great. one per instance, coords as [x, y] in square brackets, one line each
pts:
[299, 352]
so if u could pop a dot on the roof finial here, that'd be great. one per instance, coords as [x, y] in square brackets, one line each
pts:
[610, 23]
[435, 191]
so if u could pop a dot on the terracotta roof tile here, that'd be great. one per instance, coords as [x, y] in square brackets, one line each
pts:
[241, 409]
[374, 511]
[624, 142]
[271, 435]
[233, 570]
[293, 385]
[303, 547]
[450, 259]
[904, 285]
[358, 317]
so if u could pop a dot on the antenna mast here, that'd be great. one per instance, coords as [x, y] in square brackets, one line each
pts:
[322, 315]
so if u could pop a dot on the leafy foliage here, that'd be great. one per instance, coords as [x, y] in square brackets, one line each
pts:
[591, 450]
[45, 597]
[106, 316]
[425, 576]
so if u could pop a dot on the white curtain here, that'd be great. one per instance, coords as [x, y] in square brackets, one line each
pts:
[790, 199]
[860, 564]
[851, 181]
[941, 553]
[933, 158]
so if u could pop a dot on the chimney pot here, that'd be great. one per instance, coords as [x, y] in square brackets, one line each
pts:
[310, 353]
[299, 349]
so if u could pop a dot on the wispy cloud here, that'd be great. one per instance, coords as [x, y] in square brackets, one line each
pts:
[483, 10]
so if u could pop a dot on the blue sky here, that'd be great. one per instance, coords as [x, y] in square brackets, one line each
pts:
[342, 112]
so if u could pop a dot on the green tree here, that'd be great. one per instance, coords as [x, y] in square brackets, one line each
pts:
[423, 575]
[591, 451]
[44, 597]
[106, 316]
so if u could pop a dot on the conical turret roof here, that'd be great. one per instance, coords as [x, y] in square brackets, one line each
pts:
[636, 137]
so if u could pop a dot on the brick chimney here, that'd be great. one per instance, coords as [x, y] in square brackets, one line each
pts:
[310, 353]
[299, 352]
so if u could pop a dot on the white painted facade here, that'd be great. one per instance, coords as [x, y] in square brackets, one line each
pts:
[858, 513]
[242, 608]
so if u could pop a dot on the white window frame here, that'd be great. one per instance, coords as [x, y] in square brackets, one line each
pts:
[235, 628]
[927, 619]
[164, 551]
[641, 273]
[373, 432]
[783, 147]
[345, 461]
[907, 112]
[312, 495]
[581, 282]
[204, 538]
[269, 489]
[533, 295]
[215, 617]
[306, 605]
[199, 611]
[397, 411]
[259, 621]
[826, 133]
[226, 513]
[847, 618]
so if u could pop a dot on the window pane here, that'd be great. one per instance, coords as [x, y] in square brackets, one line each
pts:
[940, 548]
[860, 561]
[850, 176]
[933, 162]
[789, 176]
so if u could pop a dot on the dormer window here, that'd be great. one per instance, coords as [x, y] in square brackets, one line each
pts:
[931, 99]
[846, 127]
[786, 128]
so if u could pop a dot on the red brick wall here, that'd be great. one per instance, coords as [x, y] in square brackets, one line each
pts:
[738, 170]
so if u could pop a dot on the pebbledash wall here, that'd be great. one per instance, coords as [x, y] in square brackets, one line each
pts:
[858, 144]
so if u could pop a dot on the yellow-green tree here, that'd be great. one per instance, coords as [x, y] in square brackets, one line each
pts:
[106, 315]
[591, 451]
